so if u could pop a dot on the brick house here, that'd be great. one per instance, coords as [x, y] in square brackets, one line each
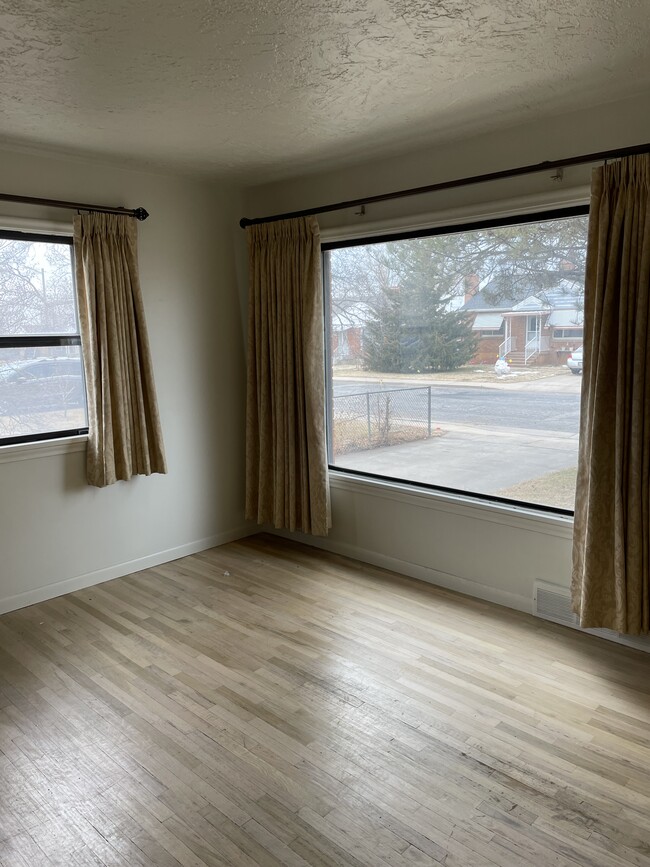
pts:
[527, 329]
[348, 323]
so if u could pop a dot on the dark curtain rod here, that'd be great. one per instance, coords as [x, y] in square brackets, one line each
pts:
[457, 182]
[138, 213]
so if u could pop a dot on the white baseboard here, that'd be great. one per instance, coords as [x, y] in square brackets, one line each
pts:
[80, 582]
[414, 570]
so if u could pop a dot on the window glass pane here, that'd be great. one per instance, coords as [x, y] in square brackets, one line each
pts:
[36, 289]
[446, 369]
[41, 390]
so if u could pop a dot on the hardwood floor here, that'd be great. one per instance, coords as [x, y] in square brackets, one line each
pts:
[266, 704]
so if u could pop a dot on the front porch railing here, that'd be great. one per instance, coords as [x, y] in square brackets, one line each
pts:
[534, 346]
[509, 345]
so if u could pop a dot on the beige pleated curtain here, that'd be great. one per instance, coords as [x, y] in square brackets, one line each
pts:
[286, 462]
[611, 554]
[125, 438]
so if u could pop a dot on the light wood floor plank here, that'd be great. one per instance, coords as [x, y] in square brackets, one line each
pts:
[267, 704]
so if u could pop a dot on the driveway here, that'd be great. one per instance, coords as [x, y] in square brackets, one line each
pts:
[471, 459]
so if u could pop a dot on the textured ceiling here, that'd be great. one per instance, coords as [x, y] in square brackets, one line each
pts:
[261, 89]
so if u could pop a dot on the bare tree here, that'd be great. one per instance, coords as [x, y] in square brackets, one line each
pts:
[36, 291]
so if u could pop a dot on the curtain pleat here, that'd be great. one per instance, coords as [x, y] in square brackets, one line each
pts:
[125, 437]
[611, 577]
[286, 461]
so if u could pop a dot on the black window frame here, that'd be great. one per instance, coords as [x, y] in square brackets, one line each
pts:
[39, 340]
[448, 229]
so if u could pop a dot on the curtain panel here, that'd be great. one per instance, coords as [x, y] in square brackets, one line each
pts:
[125, 437]
[611, 556]
[286, 457]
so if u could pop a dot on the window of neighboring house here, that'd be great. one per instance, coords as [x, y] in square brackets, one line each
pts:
[419, 398]
[42, 389]
[564, 333]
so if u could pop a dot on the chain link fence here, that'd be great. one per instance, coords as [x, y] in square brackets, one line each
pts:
[372, 419]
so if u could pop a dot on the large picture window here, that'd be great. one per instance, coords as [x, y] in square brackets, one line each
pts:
[42, 392]
[451, 354]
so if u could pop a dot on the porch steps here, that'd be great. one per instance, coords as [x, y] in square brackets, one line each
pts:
[518, 359]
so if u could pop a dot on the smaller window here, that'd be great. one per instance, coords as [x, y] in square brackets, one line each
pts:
[564, 333]
[42, 389]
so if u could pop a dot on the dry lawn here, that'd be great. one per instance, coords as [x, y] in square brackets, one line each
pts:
[552, 489]
[351, 435]
[42, 422]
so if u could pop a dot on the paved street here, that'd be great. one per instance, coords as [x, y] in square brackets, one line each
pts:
[479, 407]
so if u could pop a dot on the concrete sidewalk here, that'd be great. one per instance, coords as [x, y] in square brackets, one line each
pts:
[557, 384]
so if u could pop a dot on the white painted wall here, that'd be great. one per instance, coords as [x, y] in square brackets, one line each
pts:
[56, 533]
[471, 548]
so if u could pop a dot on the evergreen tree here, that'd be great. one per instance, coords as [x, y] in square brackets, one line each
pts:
[417, 327]
[383, 336]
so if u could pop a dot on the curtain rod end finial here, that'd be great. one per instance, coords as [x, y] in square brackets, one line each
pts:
[140, 214]
[244, 222]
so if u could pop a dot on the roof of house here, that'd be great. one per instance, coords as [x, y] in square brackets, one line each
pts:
[480, 302]
[505, 292]
[532, 303]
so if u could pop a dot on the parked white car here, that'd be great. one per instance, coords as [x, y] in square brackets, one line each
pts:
[574, 362]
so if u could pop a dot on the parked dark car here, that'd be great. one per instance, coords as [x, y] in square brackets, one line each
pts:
[41, 384]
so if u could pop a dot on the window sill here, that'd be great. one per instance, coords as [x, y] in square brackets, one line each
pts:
[464, 506]
[43, 449]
